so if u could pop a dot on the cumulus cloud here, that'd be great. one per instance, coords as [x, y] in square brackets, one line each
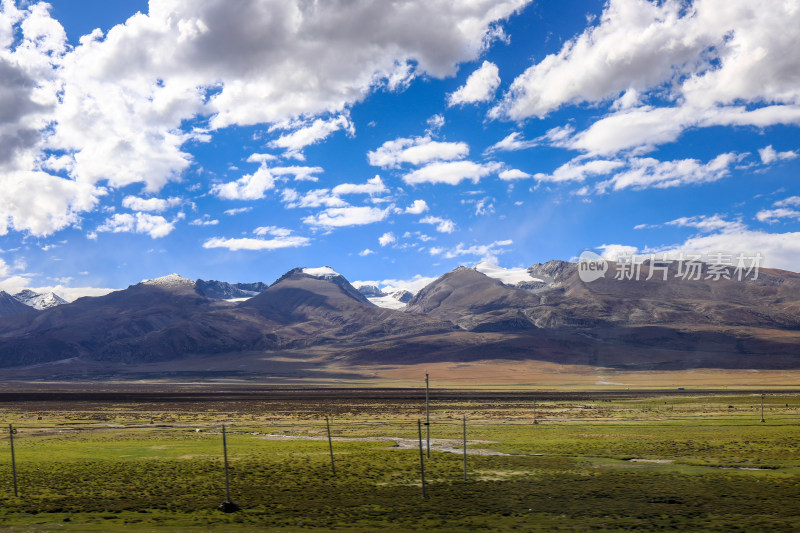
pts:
[479, 87]
[443, 225]
[769, 155]
[313, 198]
[774, 215]
[451, 172]
[512, 142]
[417, 207]
[261, 158]
[247, 243]
[365, 252]
[372, 186]
[415, 151]
[299, 173]
[157, 205]
[248, 187]
[41, 204]
[387, 239]
[717, 62]
[511, 174]
[790, 201]
[339, 217]
[308, 134]
[154, 225]
[119, 108]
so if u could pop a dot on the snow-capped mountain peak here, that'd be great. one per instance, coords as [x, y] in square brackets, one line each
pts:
[171, 280]
[39, 301]
[321, 272]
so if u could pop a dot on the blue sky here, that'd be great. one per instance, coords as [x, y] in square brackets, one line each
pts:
[393, 142]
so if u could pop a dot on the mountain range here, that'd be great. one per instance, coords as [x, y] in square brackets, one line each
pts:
[545, 313]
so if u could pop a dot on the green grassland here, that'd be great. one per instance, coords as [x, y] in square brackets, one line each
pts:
[700, 463]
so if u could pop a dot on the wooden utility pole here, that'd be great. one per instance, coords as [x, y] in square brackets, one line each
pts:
[421, 459]
[465, 447]
[11, 432]
[534, 413]
[330, 445]
[427, 417]
[227, 506]
[762, 407]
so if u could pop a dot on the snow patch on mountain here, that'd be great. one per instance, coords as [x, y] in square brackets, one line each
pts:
[321, 272]
[395, 300]
[170, 281]
[39, 301]
[509, 276]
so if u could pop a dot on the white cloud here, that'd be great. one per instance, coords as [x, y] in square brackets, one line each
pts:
[248, 187]
[479, 87]
[643, 173]
[387, 238]
[413, 285]
[261, 158]
[774, 215]
[511, 174]
[157, 205]
[237, 211]
[306, 135]
[154, 225]
[486, 252]
[769, 155]
[416, 151]
[779, 250]
[338, 217]
[118, 108]
[717, 63]
[443, 225]
[451, 172]
[707, 223]
[372, 186]
[299, 173]
[365, 252]
[313, 198]
[247, 243]
[512, 142]
[275, 231]
[613, 252]
[42, 204]
[703, 223]
[790, 201]
[435, 123]
[417, 207]
[205, 220]
[576, 170]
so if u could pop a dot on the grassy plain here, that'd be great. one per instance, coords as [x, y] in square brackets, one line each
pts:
[593, 461]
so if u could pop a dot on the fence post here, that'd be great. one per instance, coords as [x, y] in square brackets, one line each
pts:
[227, 506]
[11, 432]
[330, 445]
[421, 459]
[427, 417]
[465, 447]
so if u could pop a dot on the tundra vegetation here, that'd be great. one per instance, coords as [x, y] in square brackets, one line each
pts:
[602, 461]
